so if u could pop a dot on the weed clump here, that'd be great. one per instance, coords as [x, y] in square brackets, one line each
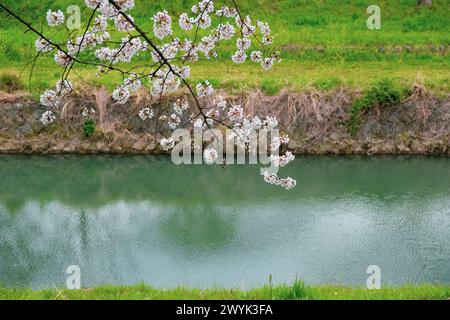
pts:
[89, 128]
[383, 94]
[270, 87]
[298, 291]
[10, 82]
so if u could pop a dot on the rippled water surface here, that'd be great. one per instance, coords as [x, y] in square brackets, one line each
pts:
[126, 220]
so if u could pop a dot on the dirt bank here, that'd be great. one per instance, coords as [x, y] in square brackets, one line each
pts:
[316, 121]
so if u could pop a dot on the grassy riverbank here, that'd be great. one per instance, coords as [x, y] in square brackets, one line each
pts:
[297, 291]
[325, 44]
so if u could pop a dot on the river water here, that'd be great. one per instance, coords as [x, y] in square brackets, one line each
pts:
[131, 219]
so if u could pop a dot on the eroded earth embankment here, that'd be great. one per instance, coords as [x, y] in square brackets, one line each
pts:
[317, 122]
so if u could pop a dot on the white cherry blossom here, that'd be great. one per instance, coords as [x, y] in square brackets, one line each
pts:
[146, 113]
[121, 95]
[210, 155]
[162, 25]
[49, 98]
[55, 18]
[47, 118]
[167, 143]
[236, 113]
[204, 89]
[43, 46]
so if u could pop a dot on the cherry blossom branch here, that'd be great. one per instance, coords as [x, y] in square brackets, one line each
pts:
[170, 71]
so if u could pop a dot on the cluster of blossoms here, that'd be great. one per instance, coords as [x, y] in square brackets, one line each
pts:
[121, 95]
[47, 117]
[129, 48]
[88, 112]
[146, 114]
[204, 89]
[55, 18]
[236, 113]
[179, 107]
[167, 144]
[51, 98]
[168, 70]
[242, 129]
[43, 46]
[164, 81]
[124, 91]
[282, 161]
[173, 121]
[210, 155]
[162, 25]
[63, 59]
[272, 178]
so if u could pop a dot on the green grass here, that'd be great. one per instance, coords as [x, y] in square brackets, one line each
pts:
[297, 291]
[293, 75]
[331, 22]
[325, 44]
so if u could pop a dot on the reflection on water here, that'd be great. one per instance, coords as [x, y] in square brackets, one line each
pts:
[125, 220]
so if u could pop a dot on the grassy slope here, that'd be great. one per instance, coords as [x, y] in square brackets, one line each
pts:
[303, 29]
[296, 291]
